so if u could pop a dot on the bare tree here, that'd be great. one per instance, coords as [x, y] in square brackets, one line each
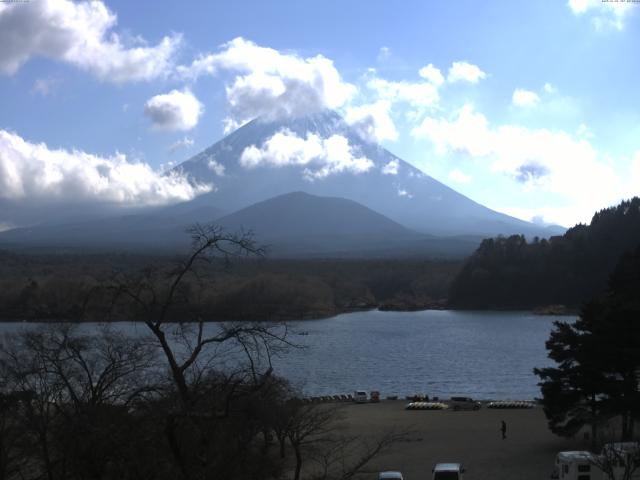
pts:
[12, 438]
[103, 407]
[156, 293]
[212, 366]
[344, 457]
[314, 434]
[617, 460]
[309, 425]
[70, 382]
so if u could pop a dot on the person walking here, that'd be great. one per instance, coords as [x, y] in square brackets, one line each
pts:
[503, 429]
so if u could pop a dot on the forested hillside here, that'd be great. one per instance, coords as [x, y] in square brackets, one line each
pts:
[72, 287]
[567, 270]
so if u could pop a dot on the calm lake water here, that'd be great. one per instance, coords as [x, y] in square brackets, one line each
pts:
[486, 355]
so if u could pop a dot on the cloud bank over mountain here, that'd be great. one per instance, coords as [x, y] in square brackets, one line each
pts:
[272, 84]
[35, 175]
[321, 157]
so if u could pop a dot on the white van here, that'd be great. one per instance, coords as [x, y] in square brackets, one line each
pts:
[360, 396]
[448, 471]
[576, 465]
[583, 465]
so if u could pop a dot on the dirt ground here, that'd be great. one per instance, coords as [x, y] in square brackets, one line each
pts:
[472, 438]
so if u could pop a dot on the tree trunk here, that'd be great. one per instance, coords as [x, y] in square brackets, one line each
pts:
[594, 426]
[296, 449]
[45, 453]
[176, 372]
[170, 432]
[625, 427]
[267, 440]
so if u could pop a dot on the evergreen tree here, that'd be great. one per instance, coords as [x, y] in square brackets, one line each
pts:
[598, 359]
[572, 391]
[509, 272]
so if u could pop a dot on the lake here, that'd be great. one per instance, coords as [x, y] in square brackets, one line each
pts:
[486, 355]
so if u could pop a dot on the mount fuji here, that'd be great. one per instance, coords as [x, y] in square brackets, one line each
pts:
[389, 186]
[309, 186]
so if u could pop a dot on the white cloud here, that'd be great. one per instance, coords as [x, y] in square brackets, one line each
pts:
[584, 132]
[175, 110]
[216, 167]
[423, 94]
[611, 14]
[272, 84]
[373, 121]
[185, 142]
[548, 88]
[467, 132]
[391, 168]
[32, 173]
[545, 215]
[581, 6]
[46, 86]
[464, 71]
[321, 156]
[458, 176]
[383, 54]
[544, 160]
[230, 124]
[432, 74]
[404, 193]
[80, 34]
[524, 98]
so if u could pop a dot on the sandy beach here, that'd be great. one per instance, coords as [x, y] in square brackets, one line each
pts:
[469, 437]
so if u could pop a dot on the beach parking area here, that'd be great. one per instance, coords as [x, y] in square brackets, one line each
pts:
[469, 437]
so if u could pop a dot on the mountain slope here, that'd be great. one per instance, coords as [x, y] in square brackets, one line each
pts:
[300, 224]
[293, 225]
[157, 229]
[391, 187]
[299, 214]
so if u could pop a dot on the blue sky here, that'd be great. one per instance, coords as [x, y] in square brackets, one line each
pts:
[530, 108]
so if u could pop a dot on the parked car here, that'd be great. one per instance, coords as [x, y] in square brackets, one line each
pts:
[390, 475]
[464, 403]
[448, 471]
[360, 396]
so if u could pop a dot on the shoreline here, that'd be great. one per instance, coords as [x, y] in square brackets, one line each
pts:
[538, 311]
